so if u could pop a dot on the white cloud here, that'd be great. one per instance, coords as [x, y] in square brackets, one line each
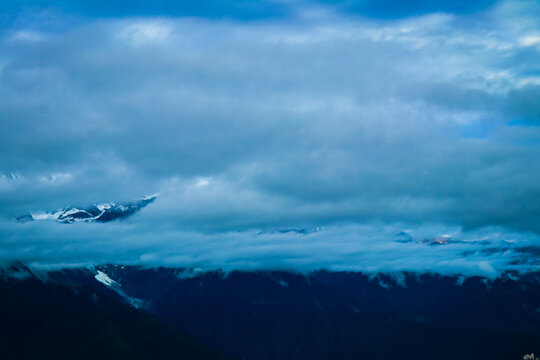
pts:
[144, 32]
[530, 40]
[56, 178]
[27, 36]
[203, 181]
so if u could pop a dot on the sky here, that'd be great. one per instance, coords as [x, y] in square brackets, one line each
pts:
[352, 120]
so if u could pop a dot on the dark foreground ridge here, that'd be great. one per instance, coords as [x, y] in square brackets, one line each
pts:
[322, 315]
[49, 321]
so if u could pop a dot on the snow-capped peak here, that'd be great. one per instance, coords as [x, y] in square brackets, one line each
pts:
[105, 206]
[45, 216]
[102, 212]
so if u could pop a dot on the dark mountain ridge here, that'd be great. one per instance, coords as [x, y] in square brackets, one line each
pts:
[44, 320]
[337, 315]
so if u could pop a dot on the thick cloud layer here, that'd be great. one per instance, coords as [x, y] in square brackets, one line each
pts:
[323, 118]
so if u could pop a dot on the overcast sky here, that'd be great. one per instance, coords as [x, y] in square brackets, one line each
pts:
[368, 118]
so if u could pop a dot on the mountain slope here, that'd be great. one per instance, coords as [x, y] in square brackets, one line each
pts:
[332, 315]
[49, 321]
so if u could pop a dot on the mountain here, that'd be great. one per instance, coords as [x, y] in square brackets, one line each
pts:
[104, 212]
[44, 320]
[334, 315]
[404, 237]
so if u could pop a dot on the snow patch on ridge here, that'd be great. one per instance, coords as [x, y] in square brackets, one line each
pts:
[105, 279]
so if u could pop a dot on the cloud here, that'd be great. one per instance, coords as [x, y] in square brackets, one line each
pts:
[144, 32]
[319, 118]
[365, 248]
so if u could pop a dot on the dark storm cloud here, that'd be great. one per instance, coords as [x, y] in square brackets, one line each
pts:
[322, 118]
